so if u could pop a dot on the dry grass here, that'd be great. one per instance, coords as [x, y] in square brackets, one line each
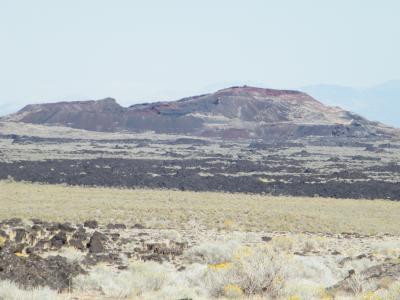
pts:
[180, 210]
[11, 291]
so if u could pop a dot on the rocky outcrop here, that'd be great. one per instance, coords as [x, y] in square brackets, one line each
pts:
[32, 255]
[33, 271]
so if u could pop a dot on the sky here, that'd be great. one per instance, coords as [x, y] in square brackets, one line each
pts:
[140, 51]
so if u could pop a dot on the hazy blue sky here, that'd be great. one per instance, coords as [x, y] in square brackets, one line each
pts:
[156, 49]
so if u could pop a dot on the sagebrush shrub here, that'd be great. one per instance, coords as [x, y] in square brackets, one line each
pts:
[256, 272]
[11, 291]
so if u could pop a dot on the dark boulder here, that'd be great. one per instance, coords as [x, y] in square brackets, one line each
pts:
[78, 244]
[59, 240]
[67, 227]
[91, 224]
[138, 226]
[266, 238]
[4, 234]
[116, 226]
[36, 227]
[20, 235]
[96, 242]
[52, 227]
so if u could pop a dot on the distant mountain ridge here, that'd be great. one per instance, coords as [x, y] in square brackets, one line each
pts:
[236, 112]
[378, 102]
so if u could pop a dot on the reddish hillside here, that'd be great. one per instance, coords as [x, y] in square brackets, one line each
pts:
[236, 112]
